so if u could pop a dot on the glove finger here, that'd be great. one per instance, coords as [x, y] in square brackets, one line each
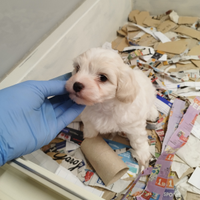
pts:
[68, 116]
[60, 109]
[58, 100]
[51, 88]
[64, 77]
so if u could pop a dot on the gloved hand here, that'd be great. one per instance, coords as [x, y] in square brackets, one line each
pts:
[28, 120]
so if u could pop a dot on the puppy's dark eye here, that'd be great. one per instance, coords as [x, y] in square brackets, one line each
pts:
[77, 68]
[102, 78]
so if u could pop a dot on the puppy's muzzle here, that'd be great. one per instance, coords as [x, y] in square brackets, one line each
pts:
[78, 86]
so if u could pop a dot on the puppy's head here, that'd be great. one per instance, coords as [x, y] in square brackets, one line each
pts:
[100, 75]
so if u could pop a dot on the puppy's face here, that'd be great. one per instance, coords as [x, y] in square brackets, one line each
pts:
[96, 77]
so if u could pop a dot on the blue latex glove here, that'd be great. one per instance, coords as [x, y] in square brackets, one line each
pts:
[28, 120]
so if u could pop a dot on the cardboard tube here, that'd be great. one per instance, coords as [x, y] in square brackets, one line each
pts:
[108, 165]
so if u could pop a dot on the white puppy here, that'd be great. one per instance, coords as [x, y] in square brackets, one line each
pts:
[118, 98]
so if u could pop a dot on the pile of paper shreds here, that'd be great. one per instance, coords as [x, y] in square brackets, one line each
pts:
[167, 49]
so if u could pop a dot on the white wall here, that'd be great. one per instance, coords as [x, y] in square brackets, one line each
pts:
[93, 23]
[25, 23]
[183, 7]
[95, 27]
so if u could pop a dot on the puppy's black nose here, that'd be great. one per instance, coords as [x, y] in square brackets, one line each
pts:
[78, 86]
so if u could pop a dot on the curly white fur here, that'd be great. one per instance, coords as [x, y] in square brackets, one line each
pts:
[122, 103]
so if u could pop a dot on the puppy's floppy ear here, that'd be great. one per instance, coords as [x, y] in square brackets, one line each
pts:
[127, 88]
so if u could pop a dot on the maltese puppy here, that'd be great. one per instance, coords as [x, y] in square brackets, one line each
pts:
[117, 98]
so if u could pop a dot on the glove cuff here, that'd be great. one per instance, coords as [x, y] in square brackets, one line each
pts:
[2, 154]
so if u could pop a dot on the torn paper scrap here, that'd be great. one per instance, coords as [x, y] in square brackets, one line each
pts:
[196, 130]
[117, 186]
[195, 51]
[177, 159]
[77, 153]
[118, 151]
[132, 28]
[183, 192]
[151, 22]
[192, 196]
[179, 168]
[182, 67]
[108, 195]
[163, 57]
[177, 194]
[188, 187]
[119, 43]
[166, 26]
[40, 158]
[147, 30]
[134, 35]
[72, 164]
[191, 42]
[176, 47]
[132, 15]
[195, 178]
[188, 31]
[163, 38]
[174, 16]
[130, 162]
[178, 180]
[71, 146]
[141, 17]
[187, 20]
[146, 40]
[163, 105]
[153, 150]
[139, 187]
[190, 152]
[187, 75]
[147, 50]
[121, 33]
[171, 35]
[190, 84]
[66, 174]
[70, 134]
[189, 94]
[74, 125]
[139, 35]
[145, 172]
[181, 134]
[175, 118]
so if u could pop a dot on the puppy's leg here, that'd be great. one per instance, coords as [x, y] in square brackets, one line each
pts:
[153, 114]
[139, 142]
[89, 131]
[142, 151]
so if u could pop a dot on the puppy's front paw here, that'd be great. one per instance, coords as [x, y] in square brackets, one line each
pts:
[143, 157]
[153, 115]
